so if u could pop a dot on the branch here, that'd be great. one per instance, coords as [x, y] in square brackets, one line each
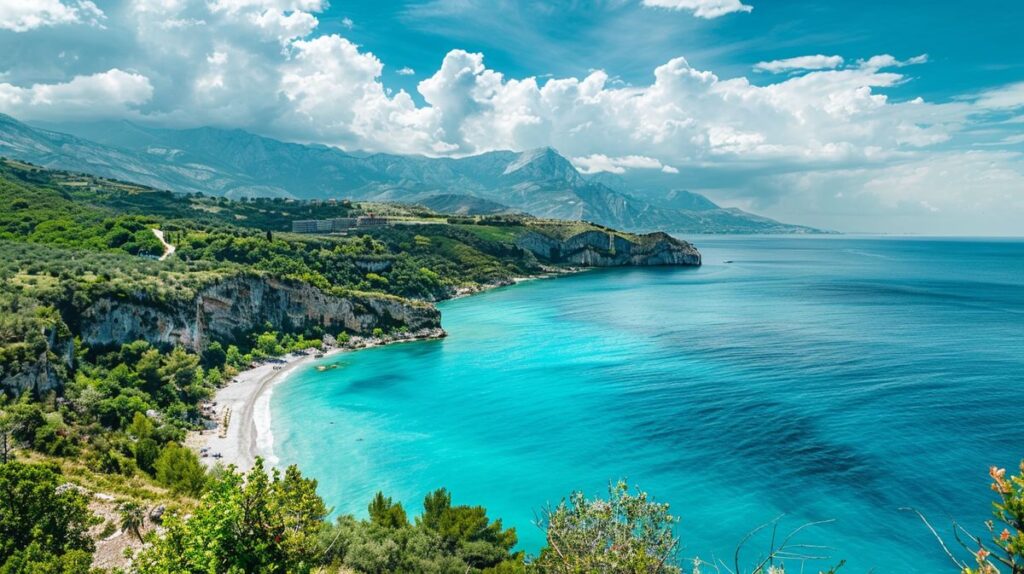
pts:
[942, 543]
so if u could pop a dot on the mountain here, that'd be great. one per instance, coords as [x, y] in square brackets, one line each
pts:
[235, 163]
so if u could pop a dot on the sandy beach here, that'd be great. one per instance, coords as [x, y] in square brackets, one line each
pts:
[241, 408]
[242, 414]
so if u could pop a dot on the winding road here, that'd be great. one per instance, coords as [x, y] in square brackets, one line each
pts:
[168, 248]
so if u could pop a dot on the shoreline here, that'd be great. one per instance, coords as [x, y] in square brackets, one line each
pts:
[241, 408]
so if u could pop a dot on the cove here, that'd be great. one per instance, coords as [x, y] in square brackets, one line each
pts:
[815, 378]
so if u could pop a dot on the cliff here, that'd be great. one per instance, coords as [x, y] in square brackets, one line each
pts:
[600, 249]
[44, 372]
[240, 305]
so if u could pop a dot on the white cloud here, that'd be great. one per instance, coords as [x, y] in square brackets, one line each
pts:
[109, 94]
[236, 6]
[686, 115]
[889, 61]
[952, 192]
[1003, 98]
[828, 131]
[285, 27]
[25, 15]
[336, 96]
[816, 62]
[597, 163]
[347, 22]
[406, 71]
[702, 8]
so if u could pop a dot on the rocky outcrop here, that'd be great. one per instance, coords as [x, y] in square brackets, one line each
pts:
[45, 373]
[237, 306]
[600, 249]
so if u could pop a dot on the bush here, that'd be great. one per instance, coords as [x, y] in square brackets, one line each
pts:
[179, 469]
[41, 520]
[626, 533]
[245, 523]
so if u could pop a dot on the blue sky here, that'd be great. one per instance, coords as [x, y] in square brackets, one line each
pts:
[896, 117]
[970, 48]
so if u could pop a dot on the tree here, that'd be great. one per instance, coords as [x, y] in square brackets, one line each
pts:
[25, 419]
[267, 344]
[34, 560]
[132, 517]
[6, 438]
[258, 522]
[141, 427]
[215, 355]
[627, 533]
[387, 514]
[40, 509]
[466, 531]
[146, 452]
[179, 469]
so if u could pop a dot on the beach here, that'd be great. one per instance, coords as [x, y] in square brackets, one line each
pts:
[242, 413]
[241, 409]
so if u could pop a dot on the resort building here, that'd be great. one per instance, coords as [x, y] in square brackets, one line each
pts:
[338, 224]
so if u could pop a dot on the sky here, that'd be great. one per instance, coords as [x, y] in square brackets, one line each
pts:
[859, 116]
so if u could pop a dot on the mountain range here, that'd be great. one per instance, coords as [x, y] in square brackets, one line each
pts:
[237, 164]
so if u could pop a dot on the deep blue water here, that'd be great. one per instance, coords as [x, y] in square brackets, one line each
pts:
[819, 378]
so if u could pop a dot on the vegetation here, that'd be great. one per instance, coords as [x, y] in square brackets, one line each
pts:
[1004, 549]
[43, 522]
[114, 418]
[625, 533]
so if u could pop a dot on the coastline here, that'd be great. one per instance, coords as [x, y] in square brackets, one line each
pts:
[241, 409]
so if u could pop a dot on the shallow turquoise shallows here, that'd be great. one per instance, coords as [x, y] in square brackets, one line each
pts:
[815, 378]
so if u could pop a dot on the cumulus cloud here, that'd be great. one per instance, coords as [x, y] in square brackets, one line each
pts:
[285, 27]
[889, 61]
[336, 96]
[685, 115]
[406, 71]
[596, 163]
[109, 94]
[816, 62]
[260, 65]
[707, 9]
[25, 15]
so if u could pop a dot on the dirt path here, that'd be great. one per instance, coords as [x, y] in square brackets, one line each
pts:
[168, 248]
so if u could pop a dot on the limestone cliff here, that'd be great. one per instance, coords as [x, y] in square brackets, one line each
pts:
[43, 373]
[240, 305]
[600, 249]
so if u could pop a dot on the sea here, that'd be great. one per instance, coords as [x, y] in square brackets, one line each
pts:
[833, 386]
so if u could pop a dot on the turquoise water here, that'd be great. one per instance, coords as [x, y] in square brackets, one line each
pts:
[819, 378]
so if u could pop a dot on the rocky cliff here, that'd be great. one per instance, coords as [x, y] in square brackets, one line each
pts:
[600, 249]
[240, 305]
[46, 372]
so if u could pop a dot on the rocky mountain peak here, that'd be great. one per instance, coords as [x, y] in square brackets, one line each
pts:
[543, 164]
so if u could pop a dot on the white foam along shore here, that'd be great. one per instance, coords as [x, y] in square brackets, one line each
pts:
[241, 409]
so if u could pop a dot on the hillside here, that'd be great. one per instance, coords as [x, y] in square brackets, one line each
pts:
[112, 344]
[235, 163]
[81, 250]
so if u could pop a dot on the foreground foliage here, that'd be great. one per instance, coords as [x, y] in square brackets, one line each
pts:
[625, 533]
[43, 522]
[253, 523]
